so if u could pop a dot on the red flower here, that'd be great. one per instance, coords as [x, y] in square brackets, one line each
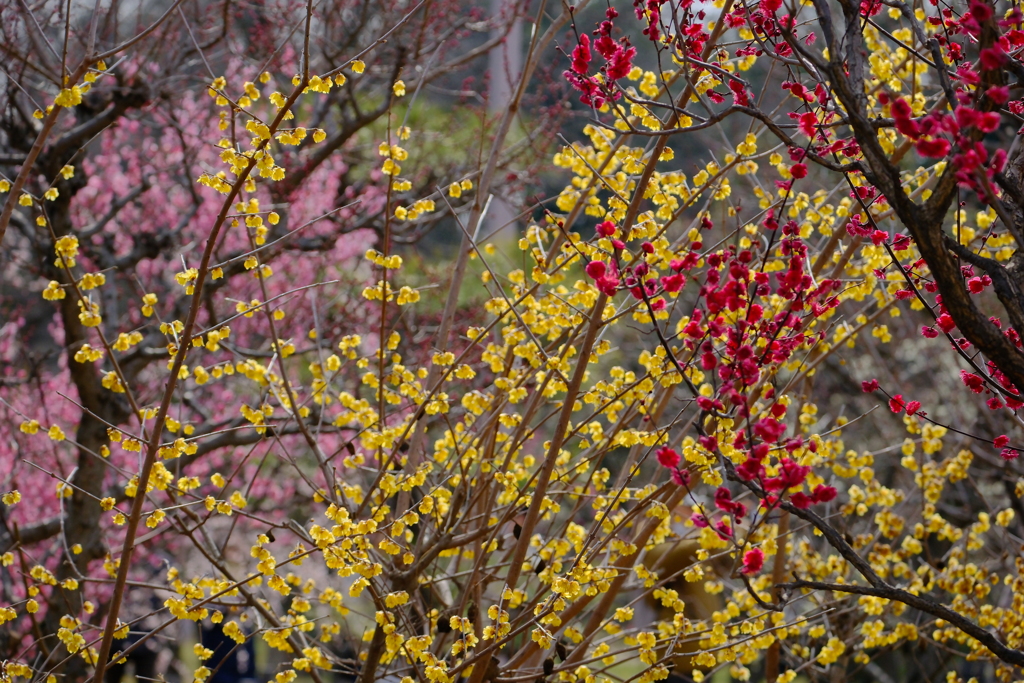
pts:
[992, 58]
[901, 109]
[1001, 441]
[753, 561]
[668, 457]
[750, 469]
[896, 403]
[790, 474]
[988, 121]
[801, 500]
[823, 494]
[621, 63]
[869, 386]
[607, 284]
[913, 407]
[799, 170]
[673, 283]
[725, 503]
[980, 11]
[945, 322]
[934, 149]
[596, 269]
[972, 381]
[769, 430]
[808, 124]
[581, 56]
[681, 477]
[999, 94]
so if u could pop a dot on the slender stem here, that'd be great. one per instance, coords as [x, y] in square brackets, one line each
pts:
[172, 382]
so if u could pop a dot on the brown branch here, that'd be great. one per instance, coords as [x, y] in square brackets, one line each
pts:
[926, 605]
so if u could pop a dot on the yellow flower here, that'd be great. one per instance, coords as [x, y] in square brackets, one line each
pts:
[148, 301]
[398, 88]
[69, 97]
[407, 295]
[155, 518]
[53, 291]
[87, 354]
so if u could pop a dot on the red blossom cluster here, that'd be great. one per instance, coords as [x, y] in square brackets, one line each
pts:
[617, 54]
[669, 458]
[731, 284]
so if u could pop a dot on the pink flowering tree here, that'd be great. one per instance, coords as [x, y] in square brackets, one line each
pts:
[207, 181]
